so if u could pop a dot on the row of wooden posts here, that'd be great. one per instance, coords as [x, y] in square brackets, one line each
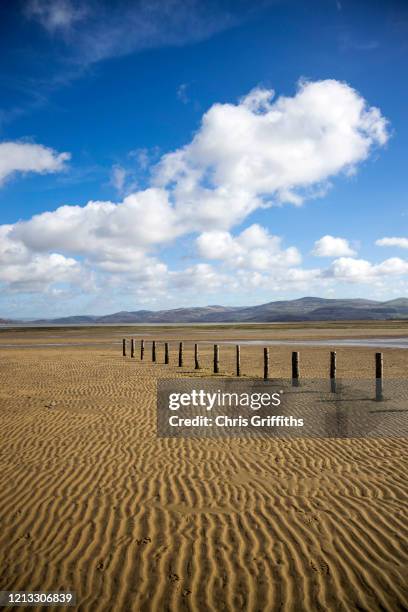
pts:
[379, 360]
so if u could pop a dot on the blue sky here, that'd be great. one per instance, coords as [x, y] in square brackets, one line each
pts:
[176, 153]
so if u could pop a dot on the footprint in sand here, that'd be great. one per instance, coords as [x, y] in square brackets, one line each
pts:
[320, 566]
[173, 577]
[145, 540]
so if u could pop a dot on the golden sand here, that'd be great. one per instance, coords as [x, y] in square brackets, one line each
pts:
[92, 501]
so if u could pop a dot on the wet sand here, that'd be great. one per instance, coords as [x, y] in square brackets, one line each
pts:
[92, 501]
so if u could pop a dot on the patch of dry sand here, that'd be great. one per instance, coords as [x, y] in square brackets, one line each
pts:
[92, 501]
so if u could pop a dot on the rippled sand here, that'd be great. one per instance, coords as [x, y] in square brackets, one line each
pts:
[92, 501]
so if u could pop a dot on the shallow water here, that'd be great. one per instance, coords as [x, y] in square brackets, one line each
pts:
[401, 343]
[42, 344]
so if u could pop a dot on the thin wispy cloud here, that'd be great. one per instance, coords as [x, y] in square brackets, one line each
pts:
[144, 157]
[182, 93]
[118, 178]
[84, 33]
[55, 15]
[96, 31]
[348, 43]
[123, 180]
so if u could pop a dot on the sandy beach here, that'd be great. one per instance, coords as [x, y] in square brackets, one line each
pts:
[92, 501]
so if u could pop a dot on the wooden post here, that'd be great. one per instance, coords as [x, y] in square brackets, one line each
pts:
[238, 359]
[333, 370]
[216, 359]
[196, 361]
[141, 349]
[266, 363]
[333, 365]
[379, 365]
[124, 347]
[154, 351]
[166, 352]
[132, 348]
[180, 361]
[295, 368]
[379, 372]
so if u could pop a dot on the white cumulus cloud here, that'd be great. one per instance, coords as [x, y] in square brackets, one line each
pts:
[260, 150]
[244, 156]
[401, 243]
[253, 248]
[21, 270]
[26, 157]
[362, 271]
[329, 246]
[103, 230]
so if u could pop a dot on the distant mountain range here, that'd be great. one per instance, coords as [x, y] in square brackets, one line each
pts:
[304, 309]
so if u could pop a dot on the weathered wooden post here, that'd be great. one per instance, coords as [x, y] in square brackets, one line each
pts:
[216, 359]
[295, 368]
[266, 363]
[132, 348]
[141, 349]
[379, 372]
[238, 359]
[333, 370]
[180, 359]
[124, 347]
[154, 351]
[196, 361]
[166, 352]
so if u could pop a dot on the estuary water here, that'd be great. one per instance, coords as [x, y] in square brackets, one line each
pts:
[401, 343]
